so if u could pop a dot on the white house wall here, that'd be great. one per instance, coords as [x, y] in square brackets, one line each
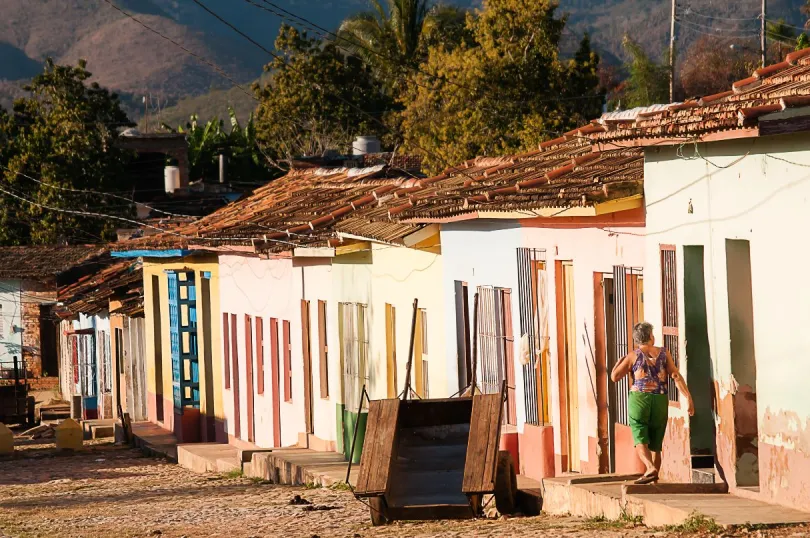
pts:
[756, 190]
[10, 316]
[481, 253]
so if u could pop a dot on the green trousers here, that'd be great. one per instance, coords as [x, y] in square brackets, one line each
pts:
[648, 419]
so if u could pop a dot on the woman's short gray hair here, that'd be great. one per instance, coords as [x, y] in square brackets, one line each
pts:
[642, 332]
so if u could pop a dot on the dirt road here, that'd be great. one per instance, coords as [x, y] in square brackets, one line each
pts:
[116, 492]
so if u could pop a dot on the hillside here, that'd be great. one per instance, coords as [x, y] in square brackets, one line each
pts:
[120, 53]
[133, 61]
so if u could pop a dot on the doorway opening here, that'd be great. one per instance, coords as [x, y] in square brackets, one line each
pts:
[699, 370]
[567, 353]
[743, 360]
[623, 300]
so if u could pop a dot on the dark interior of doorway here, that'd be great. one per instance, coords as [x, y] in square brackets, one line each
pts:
[699, 370]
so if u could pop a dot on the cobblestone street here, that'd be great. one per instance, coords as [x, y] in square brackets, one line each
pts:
[111, 491]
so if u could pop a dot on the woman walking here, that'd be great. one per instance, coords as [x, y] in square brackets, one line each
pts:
[648, 404]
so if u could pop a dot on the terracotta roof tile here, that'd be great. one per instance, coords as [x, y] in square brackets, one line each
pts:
[92, 293]
[781, 85]
[309, 207]
[40, 261]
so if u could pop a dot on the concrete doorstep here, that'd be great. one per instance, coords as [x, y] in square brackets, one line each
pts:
[615, 497]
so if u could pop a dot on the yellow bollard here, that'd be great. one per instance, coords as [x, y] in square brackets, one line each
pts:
[69, 435]
[6, 440]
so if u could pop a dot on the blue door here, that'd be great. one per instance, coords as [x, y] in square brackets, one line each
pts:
[183, 339]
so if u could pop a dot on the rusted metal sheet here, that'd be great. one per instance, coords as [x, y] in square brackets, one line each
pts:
[379, 448]
[482, 447]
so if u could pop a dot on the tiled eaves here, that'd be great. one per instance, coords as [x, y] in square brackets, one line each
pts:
[771, 89]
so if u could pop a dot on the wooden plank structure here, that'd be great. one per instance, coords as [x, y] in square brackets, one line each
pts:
[482, 448]
[378, 454]
[434, 458]
[430, 459]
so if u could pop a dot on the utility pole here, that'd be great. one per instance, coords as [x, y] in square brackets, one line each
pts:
[762, 31]
[146, 114]
[672, 53]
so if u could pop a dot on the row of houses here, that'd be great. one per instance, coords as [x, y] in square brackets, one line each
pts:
[261, 323]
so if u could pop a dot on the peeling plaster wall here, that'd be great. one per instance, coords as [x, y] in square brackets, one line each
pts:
[763, 199]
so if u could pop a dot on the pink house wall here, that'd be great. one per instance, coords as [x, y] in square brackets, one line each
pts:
[594, 246]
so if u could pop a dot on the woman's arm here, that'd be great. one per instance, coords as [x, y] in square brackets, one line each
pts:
[680, 382]
[622, 368]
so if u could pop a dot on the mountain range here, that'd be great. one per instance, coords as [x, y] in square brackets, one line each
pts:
[134, 61]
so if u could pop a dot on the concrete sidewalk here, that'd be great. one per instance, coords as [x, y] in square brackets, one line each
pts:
[290, 466]
[154, 440]
[614, 497]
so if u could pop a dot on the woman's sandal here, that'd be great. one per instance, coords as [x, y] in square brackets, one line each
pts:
[648, 478]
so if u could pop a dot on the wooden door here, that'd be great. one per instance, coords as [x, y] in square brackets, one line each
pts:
[237, 419]
[275, 370]
[570, 343]
[418, 355]
[323, 349]
[391, 349]
[249, 377]
[307, 351]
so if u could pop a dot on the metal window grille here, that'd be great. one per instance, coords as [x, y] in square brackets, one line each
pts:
[533, 302]
[86, 344]
[354, 350]
[106, 360]
[627, 311]
[669, 309]
[495, 346]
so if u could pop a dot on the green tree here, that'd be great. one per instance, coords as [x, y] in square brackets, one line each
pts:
[62, 134]
[648, 81]
[207, 142]
[401, 30]
[782, 39]
[316, 99]
[502, 92]
[802, 42]
[710, 67]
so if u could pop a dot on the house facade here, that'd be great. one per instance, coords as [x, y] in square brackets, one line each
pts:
[184, 375]
[101, 342]
[559, 283]
[29, 281]
[725, 197]
[713, 236]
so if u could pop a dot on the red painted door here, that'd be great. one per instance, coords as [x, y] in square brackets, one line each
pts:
[237, 418]
[274, 379]
[249, 375]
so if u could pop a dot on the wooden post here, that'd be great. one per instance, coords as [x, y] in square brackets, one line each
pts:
[672, 53]
[474, 382]
[407, 390]
[762, 36]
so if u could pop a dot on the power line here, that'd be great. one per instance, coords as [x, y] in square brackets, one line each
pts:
[714, 30]
[197, 56]
[88, 191]
[690, 11]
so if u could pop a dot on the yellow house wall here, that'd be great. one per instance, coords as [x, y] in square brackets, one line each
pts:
[158, 268]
